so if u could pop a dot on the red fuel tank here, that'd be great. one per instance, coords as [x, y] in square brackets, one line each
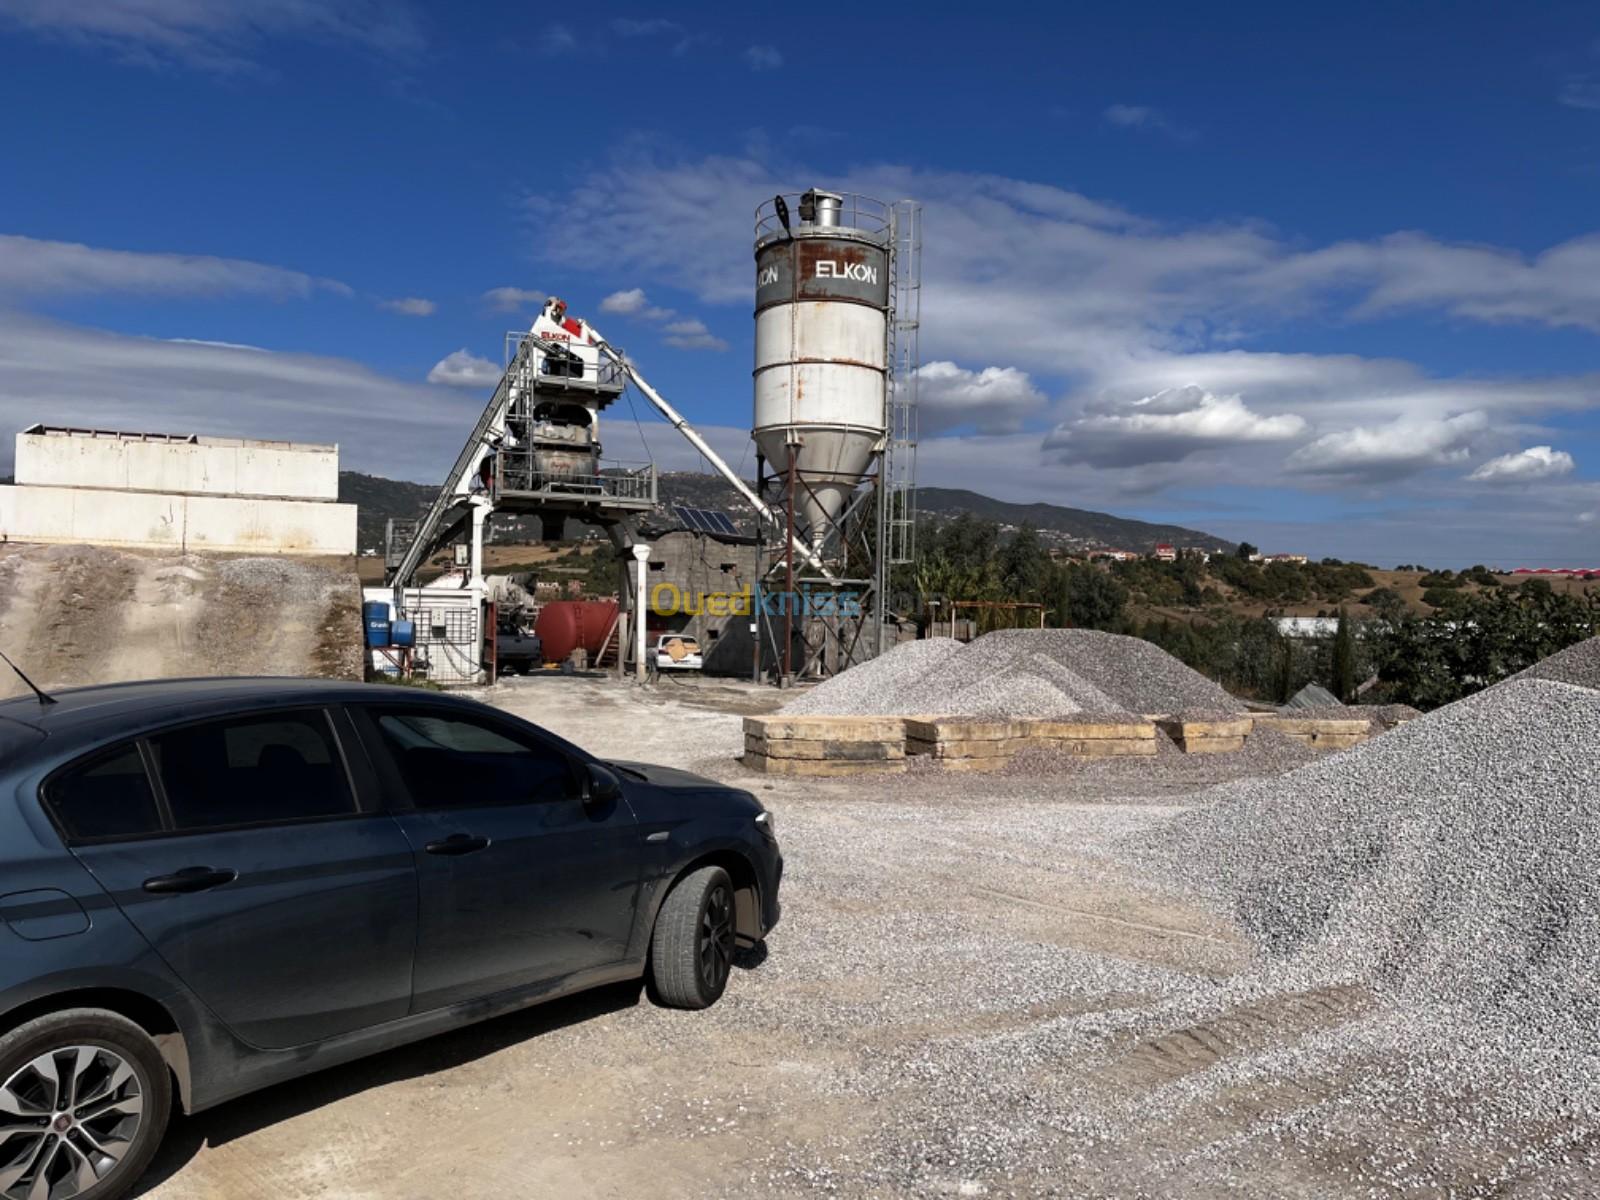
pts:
[564, 625]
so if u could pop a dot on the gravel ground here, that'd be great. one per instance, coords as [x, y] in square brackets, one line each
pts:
[1021, 673]
[995, 986]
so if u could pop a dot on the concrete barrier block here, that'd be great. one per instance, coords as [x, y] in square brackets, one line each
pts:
[822, 768]
[817, 748]
[827, 728]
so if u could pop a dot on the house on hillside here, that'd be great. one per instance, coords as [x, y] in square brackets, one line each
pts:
[1166, 552]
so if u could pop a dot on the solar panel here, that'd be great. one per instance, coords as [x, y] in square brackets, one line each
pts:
[702, 520]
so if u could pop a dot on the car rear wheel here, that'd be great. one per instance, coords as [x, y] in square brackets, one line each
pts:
[691, 951]
[84, 1100]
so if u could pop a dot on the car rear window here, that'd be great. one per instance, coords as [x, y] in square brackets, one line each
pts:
[253, 770]
[108, 796]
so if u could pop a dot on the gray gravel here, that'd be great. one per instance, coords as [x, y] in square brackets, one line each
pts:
[1578, 664]
[1021, 673]
[874, 687]
[1452, 863]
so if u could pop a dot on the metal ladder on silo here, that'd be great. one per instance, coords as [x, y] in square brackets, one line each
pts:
[900, 450]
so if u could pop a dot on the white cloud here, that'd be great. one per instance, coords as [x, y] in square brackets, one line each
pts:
[558, 40]
[631, 27]
[77, 376]
[1130, 114]
[1526, 466]
[1168, 426]
[682, 40]
[1142, 116]
[30, 266]
[993, 400]
[1581, 91]
[763, 58]
[511, 299]
[216, 35]
[1004, 246]
[410, 306]
[625, 303]
[463, 369]
[1382, 453]
[691, 334]
[684, 333]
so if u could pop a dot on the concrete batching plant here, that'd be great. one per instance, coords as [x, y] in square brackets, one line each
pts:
[835, 377]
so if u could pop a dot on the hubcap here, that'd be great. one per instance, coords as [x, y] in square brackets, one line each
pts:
[66, 1120]
[716, 938]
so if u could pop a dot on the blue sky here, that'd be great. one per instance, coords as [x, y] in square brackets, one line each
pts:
[1326, 280]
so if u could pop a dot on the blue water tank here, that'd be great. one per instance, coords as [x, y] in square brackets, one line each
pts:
[403, 633]
[375, 616]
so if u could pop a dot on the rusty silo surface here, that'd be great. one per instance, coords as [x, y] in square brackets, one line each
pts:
[822, 345]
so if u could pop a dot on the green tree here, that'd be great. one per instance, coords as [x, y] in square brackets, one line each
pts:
[1245, 550]
[1344, 660]
[1024, 566]
[1386, 602]
[1088, 598]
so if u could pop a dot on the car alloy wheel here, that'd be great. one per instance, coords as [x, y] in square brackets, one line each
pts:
[67, 1119]
[716, 938]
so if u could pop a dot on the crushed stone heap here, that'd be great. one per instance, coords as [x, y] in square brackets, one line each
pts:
[1453, 864]
[1579, 664]
[1019, 673]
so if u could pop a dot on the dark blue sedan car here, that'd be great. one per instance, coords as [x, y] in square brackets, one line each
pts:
[208, 886]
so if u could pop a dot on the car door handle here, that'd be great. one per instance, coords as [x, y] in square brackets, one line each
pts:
[458, 843]
[190, 879]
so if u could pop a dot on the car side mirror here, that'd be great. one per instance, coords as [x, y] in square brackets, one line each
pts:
[603, 786]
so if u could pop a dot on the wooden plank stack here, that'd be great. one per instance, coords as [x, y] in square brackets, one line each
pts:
[824, 746]
[1217, 735]
[1323, 733]
[967, 744]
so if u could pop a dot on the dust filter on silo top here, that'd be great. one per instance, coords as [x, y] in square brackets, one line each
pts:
[822, 304]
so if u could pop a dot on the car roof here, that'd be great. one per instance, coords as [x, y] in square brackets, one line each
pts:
[87, 713]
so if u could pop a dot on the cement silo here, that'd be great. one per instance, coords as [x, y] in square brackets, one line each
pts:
[823, 276]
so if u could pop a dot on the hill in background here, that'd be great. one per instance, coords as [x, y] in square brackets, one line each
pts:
[1073, 528]
[1069, 528]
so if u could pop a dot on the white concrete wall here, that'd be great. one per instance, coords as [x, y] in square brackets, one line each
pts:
[150, 520]
[214, 466]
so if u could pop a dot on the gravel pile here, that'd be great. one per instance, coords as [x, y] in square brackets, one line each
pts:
[871, 688]
[1578, 664]
[1021, 673]
[1451, 864]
